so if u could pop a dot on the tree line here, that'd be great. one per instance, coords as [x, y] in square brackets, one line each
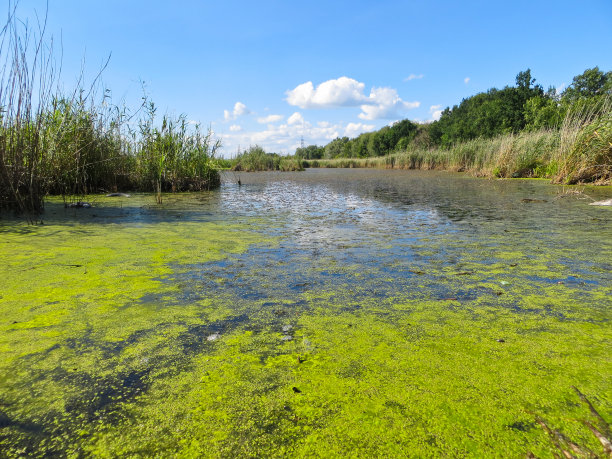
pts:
[512, 109]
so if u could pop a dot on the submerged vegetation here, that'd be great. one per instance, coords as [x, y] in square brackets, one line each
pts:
[518, 131]
[371, 327]
[74, 143]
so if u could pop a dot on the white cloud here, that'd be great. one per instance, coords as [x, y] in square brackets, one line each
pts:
[286, 137]
[239, 110]
[382, 103]
[412, 76]
[270, 119]
[235, 128]
[385, 103]
[435, 112]
[466, 80]
[296, 118]
[560, 89]
[354, 129]
[343, 92]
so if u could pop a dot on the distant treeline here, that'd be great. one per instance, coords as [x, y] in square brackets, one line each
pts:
[579, 119]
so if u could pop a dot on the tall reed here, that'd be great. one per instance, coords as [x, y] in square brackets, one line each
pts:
[78, 143]
[585, 152]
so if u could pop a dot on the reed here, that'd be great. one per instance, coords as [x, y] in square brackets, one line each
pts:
[256, 159]
[585, 153]
[523, 155]
[75, 143]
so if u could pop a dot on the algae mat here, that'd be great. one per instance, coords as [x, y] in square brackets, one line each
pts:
[316, 314]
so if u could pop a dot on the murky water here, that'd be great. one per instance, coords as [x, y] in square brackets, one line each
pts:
[109, 310]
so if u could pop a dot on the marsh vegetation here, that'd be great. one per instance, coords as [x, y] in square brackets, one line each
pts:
[70, 143]
[334, 313]
[518, 131]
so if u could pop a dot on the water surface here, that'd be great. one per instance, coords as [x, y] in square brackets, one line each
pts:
[314, 313]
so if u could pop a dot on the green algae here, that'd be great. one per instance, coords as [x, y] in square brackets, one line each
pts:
[164, 339]
[432, 382]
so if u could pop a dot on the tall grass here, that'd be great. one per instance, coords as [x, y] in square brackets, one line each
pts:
[256, 159]
[585, 153]
[580, 151]
[173, 157]
[71, 144]
[526, 155]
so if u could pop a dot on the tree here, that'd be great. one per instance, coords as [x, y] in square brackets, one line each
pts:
[591, 83]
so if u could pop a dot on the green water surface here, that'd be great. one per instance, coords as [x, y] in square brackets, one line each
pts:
[357, 313]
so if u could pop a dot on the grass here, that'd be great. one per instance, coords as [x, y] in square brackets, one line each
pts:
[585, 152]
[74, 143]
[256, 159]
[581, 151]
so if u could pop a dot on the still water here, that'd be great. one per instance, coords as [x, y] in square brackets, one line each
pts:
[325, 312]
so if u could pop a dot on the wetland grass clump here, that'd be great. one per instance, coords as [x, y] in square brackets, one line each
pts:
[527, 154]
[173, 157]
[72, 144]
[256, 159]
[580, 152]
[585, 153]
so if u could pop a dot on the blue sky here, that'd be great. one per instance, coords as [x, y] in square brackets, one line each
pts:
[270, 72]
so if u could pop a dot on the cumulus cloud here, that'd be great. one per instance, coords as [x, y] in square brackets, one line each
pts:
[239, 110]
[385, 103]
[235, 128]
[435, 111]
[382, 103]
[466, 80]
[296, 118]
[354, 129]
[270, 119]
[412, 76]
[285, 137]
[342, 92]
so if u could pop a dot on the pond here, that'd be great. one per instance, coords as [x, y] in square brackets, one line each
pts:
[318, 313]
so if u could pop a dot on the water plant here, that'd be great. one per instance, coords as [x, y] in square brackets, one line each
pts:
[74, 143]
[255, 158]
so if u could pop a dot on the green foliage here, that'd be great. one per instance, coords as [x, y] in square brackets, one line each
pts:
[336, 148]
[310, 152]
[487, 114]
[591, 83]
[51, 143]
[371, 144]
[256, 159]
[543, 112]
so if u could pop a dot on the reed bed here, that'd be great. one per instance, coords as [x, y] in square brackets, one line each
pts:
[256, 159]
[78, 142]
[580, 151]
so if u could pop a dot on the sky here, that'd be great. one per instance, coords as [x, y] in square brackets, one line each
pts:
[273, 72]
